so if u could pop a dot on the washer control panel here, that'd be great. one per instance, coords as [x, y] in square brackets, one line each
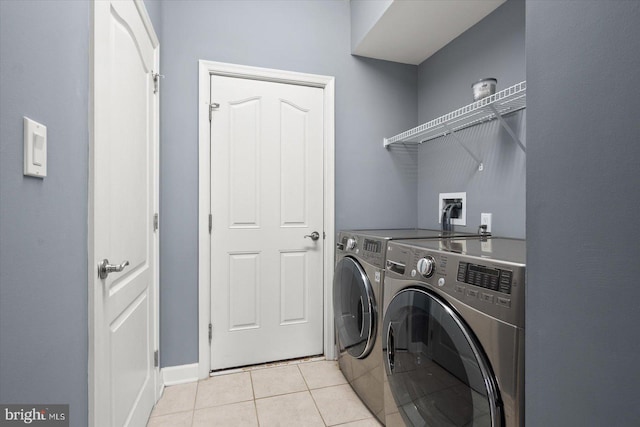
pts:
[426, 266]
[495, 279]
[492, 286]
[352, 243]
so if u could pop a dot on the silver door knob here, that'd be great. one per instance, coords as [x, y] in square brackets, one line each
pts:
[104, 268]
[313, 236]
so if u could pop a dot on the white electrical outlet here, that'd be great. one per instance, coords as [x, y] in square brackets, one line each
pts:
[485, 219]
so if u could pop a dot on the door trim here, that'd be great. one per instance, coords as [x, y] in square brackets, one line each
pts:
[95, 344]
[327, 83]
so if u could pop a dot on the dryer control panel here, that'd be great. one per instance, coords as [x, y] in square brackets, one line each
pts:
[368, 249]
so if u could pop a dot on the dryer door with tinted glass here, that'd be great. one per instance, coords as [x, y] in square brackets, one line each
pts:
[354, 308]
[437, 373]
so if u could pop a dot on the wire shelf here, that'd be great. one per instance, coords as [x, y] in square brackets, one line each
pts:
[505, 102]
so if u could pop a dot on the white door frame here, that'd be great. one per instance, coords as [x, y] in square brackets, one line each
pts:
[95, 346]
[327, 83]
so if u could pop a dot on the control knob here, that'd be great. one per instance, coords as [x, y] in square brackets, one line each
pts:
[351, 243]
[426, 266]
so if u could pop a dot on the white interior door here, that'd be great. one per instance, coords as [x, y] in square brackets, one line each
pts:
[124, 198]
[266, 196]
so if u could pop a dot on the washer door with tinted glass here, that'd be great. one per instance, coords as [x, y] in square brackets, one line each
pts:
[437, 373]
[354, 308]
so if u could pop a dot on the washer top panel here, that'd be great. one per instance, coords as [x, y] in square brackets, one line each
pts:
[405, 233]
[493, 248]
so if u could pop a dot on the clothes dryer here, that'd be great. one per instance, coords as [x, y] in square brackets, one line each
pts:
[453, 333]
[357, 298]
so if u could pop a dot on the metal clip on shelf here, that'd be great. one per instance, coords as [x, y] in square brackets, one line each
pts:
[496, 106]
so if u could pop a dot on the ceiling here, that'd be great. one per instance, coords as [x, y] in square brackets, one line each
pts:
[410, 31]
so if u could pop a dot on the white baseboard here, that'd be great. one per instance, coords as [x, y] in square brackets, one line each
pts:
[182, 374]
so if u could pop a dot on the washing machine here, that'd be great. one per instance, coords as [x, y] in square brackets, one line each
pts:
[357, 299]
[453, 332]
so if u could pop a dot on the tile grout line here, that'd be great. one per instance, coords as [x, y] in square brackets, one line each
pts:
[312, 398]
[173, 412]
[254, 399]
[195, 398]
[253, 393]
[304, 378]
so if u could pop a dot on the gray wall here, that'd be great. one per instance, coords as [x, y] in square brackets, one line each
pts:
[582, 183]
[583, 196]
[44, 74]
[373, 99]
[495, 47]
[154, 9]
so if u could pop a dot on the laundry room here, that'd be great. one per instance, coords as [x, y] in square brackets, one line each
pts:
[559, 174]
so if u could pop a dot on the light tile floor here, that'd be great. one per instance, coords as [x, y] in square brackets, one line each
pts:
[305, 393]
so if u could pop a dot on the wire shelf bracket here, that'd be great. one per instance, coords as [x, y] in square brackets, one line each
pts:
[463, 145]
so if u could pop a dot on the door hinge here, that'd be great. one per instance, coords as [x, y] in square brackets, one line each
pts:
[156, 81]
[156, 359]
[210, 223]
[210, 332]
[212, 106]
[156, 222]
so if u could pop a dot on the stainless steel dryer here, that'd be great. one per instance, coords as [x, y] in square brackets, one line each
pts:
[453, 333]
[357, 299]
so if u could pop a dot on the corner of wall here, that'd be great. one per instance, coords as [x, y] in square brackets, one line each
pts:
[182, 374]
[364, 15]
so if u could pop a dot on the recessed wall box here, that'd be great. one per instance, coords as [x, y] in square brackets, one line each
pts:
[35, 148]
[459, 216]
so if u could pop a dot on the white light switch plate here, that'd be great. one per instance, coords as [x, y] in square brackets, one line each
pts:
[35, 148]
